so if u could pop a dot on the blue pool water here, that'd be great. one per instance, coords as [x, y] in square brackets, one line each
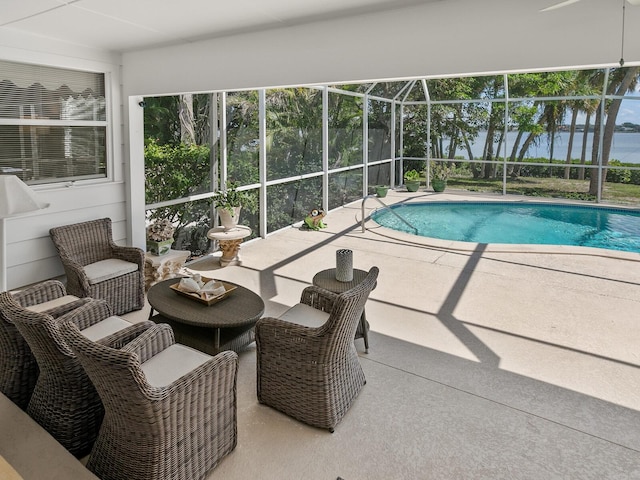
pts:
[521, 223]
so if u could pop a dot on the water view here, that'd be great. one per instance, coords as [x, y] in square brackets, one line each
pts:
[625, 148]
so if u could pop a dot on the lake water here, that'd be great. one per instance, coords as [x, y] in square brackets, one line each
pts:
[626, 146]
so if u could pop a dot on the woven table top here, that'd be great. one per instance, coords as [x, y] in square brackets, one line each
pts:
[327, 279]
[241, 307]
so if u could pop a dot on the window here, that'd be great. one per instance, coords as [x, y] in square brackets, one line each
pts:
[53, 123]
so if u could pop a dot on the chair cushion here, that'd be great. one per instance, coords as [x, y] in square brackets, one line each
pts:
[107, 269]
[303, 314]
[172, 363]
[105, 328]
[56, 302]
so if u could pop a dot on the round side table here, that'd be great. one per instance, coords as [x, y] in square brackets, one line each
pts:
[229, 242]
[327, 279]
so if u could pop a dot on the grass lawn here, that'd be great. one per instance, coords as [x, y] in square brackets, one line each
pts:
[619, 193]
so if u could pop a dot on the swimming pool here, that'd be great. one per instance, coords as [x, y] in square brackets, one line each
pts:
[518, 223]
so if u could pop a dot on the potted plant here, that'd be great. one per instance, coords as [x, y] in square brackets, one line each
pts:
[381, 190]
[412, 180]
[160, 236]
[229, 203]
[440, 172]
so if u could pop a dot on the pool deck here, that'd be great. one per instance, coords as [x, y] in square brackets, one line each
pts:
[485, 362]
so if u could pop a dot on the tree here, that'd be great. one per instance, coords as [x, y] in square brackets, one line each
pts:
[185, 114]
[621, 81]
[587, 83]
[178, 118]
[294, 131]
[177, 171]
[523, 116]
[458, 123]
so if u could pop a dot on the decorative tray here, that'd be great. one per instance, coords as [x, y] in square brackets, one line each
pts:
[205, 298]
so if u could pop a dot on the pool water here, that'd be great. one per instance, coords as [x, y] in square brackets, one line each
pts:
[519, 223]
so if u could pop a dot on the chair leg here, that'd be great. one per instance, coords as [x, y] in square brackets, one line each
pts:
[365, 331]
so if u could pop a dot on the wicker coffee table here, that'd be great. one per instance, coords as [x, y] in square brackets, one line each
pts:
[226, 325]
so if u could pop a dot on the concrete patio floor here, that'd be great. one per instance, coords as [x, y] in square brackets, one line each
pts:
[484, 363]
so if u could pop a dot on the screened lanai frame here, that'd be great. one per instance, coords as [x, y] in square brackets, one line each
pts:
[507, 100]
[263, 184]
[405, 94]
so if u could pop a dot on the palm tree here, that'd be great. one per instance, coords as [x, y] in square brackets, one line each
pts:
[587, 83]
[591, 84]
[621, 81]
[590, 107]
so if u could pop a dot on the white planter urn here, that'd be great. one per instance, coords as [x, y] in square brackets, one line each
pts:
[229, 220]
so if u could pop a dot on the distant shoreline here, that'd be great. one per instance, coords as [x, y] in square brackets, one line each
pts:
[625, 147]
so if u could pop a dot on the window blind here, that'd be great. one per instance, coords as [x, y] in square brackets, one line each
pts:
[53, 123]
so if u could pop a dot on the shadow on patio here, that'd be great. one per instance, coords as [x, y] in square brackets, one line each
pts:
[482, 364]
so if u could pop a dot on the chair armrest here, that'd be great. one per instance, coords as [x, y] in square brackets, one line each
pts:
[318, 298]
[214, 375]
[67, 307]
[40, 293]
[151, 342]
[130, 254]
[92, 312]
[288, 340]
[127, 335]
[284, 328]
[78, 272]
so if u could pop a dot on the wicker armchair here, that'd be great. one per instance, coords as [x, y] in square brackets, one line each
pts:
[64, 401]
[308, 367]
[96, 267]
[18, 367]
[170, 410]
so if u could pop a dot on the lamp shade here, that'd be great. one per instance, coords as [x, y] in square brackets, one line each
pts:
[16, 197]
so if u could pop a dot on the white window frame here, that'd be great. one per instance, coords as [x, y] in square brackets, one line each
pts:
[106, 124]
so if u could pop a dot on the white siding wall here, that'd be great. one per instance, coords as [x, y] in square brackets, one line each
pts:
[31, 256]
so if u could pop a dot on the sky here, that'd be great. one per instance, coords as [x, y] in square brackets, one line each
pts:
[629, 112]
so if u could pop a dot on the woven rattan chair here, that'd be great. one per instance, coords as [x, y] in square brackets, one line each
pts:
[307, 364]
[64, 401]
[96, 267]
[170, 410]
[18, 367]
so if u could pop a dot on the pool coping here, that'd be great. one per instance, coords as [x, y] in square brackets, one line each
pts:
[461, 197]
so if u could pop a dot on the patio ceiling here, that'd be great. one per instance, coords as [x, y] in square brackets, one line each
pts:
[123, 25]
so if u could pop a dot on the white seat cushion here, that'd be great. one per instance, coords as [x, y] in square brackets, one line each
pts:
[303, 314]
[105, 328]
[107, 269]
[172, 363]
[57, 302]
